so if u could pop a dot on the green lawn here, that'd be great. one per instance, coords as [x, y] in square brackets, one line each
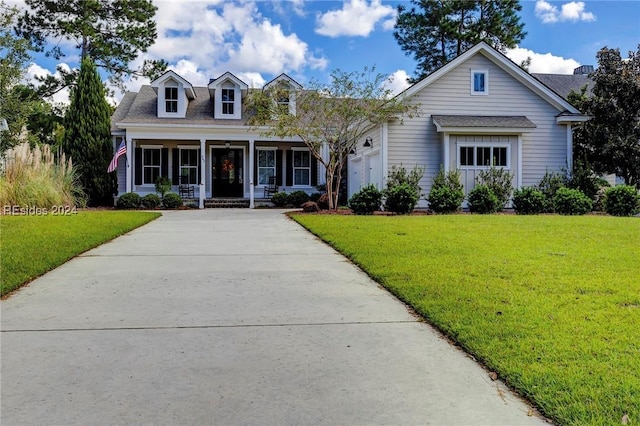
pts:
[33, 245]
[552, 303]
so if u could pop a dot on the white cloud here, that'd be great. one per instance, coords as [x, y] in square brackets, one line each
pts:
[34, 70]
[543, 63]
[397, 82]
[573, 11]
[356, 18]
[206, 39]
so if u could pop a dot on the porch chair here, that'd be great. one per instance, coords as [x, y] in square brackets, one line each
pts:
[271, 188]
[184, 189]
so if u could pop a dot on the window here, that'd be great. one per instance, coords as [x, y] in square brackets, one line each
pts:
[283, 103]
[151, 160]
[266, 165]
[171, 99]
[479, 82]
[301, 168]
[483, 156]
[228, 99]
[189, 166]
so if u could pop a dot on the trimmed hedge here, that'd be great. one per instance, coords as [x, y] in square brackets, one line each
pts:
[172, 200]
[366, 201]
[128, 201]
[483, 200]
[528, 201]
[622, 200]
[571, 202]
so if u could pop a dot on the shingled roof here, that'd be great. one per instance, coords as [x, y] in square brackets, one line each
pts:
[563, 84]
[498, 121]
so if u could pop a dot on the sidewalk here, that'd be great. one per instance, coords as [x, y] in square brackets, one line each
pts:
[230, 317]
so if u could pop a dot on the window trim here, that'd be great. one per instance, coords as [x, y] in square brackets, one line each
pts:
[258, 167]
[485, 73]
[196, 167]
[227, 103]
[144, 166]
[294, 168]
[170, 100]
[475, 146]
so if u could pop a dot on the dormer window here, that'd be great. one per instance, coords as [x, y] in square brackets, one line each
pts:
[228, 100]
[227, 92]
[174, 94]
[479, 82]
[283, 90]
[283, 103]
[171, 99]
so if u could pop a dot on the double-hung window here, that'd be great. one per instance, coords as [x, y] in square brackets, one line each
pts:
[483, 156]
[171, 99]
[266, 165]
[301, 168]
[189, 166]
[228, 99]
[479, 82]
[151, 162]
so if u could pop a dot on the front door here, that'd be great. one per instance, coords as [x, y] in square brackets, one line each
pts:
[226, 173]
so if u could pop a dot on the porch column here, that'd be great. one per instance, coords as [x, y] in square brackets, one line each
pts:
[384, 144]
[446, 146]
[130, 159]
[569, 149]
[201, 186]
[251, 160]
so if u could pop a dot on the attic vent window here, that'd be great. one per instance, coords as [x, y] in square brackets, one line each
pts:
[171, 99]
[479, 82]
[283, 104]
[228, 99]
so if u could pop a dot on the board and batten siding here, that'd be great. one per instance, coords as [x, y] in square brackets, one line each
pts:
[415, 141]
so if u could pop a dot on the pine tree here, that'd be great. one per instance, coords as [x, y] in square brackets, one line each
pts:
[88, 136]
[436, 31]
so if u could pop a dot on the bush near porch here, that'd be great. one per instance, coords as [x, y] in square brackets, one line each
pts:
[551, 303]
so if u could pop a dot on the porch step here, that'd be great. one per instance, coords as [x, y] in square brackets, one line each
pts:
[218, 203]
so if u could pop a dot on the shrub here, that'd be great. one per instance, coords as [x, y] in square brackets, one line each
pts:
[150, 201]
[398, 175]
[549, 185]
[622, 200]
[33, 177]
[297, 198]
[446, 192]
[483, 200]
[366, 201]
[315, 196]
[172, 200]
[130, 200]
[528, 201]
[585, 180]
[163, 185]
[280, 199]
[401, 199]
[569, 201]
[499, 180]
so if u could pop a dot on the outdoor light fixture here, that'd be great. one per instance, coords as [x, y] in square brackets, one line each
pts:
[353, 151]
[227, 144]
[367, 142]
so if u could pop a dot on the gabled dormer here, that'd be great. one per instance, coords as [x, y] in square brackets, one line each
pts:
[228, 91]
[174, 93]
[285, 89]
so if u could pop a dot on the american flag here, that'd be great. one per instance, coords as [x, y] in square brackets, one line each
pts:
[122, 149]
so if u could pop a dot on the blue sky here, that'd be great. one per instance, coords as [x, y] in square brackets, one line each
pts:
[258, 40]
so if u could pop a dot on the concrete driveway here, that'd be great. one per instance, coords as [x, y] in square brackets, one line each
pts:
[230, 317]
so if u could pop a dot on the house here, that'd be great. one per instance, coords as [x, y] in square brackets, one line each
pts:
[199, 136]
[479, 109]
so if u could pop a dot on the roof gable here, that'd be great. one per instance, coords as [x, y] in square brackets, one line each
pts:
[285, 79]
[172, 75]
[503, 63]
[227, 76]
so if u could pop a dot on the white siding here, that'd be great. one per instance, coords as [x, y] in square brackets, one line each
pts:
[416, 141]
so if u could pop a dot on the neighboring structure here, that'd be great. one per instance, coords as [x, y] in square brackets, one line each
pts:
[479, 109]
[199, 136]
